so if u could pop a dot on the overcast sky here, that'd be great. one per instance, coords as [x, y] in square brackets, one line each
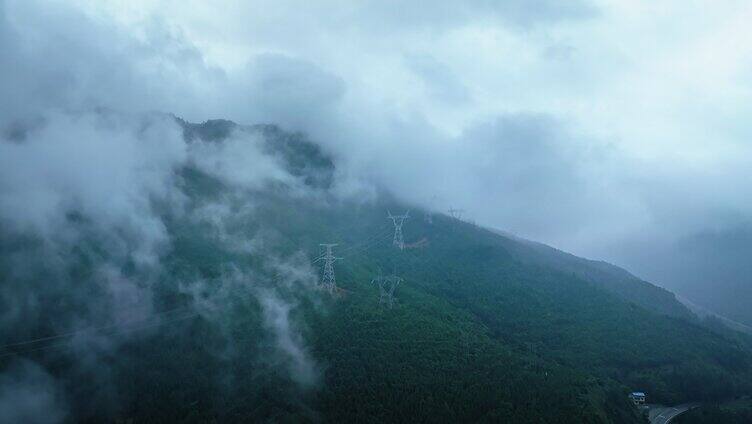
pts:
[610, 129]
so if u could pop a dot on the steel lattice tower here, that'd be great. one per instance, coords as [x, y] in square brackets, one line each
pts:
[387, 285]
[398, 220]
[456, 213]
[328, 281]
[430, 209]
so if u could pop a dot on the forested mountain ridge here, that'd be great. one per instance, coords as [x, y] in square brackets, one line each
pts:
[483, 328]
[614, 279]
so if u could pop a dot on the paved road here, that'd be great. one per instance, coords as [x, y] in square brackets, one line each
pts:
[665, 414]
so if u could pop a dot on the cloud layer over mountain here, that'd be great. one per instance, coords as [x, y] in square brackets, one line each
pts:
[607, 128]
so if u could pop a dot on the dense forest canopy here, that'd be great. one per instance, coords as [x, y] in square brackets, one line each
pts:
[209, 306]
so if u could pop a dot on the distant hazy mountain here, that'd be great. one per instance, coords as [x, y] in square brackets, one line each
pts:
[614, 279]
[711, 269]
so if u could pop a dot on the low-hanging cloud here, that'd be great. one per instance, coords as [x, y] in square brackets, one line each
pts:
[569, 123]
[240, 160]
[28, 394]
[289, 340]
[278, 291]
[108, 168]
[87, 200]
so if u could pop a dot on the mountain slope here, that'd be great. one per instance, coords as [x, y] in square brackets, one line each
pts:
[484, 327]
[610, 277]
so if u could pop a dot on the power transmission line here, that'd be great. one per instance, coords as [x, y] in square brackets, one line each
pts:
[368, 242]
[125, 326]
[91, 329]
[116, 330]
[161, 318]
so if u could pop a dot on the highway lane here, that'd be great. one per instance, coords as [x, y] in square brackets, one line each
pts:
[664, 414]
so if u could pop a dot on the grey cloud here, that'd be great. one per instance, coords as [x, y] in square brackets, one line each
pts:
[276, 285]
[289, 341]
[535, 170]
[30, 395]
[528, 173]
[239, 161]
[527, 13]
[79, 200]
[287, 91]
[443, 15]
[441, 82]
[277, 296]
[129, 301]
[84, 201]
[532, 173]
[108, 168]
[284, 24]
[223, 218]
[373, 141]
[55, 57]
[216, 299]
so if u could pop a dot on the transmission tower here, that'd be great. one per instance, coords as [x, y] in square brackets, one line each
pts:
[387, 285]
[430, 209]
[456, 213]
[328, 282]
[398, 220]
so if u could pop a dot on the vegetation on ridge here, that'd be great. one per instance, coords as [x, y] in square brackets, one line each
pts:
[479, 331]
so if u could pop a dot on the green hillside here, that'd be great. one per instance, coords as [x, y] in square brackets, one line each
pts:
[485, 327]
[614, 279]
